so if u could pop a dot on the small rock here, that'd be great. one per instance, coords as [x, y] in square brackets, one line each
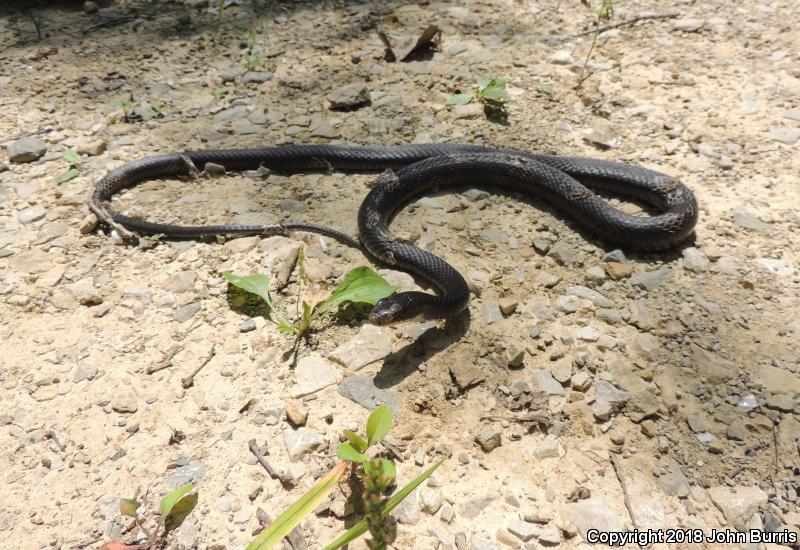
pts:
[362, 390]
[489, 439]
[603, 135]
[31, 214]
[695, 260]
[789, 136]
[594, 513]
[687, 24]
[735, 433]
[491, 312]
[716, 369]
[568, 304]
[737, 504]
[85, 371]
[90, 7]
[544, 381]
[592, 295]
[561, 57]
[617, 270]
[126, 402]
[93, 148]
[608, 400]
[514, 355]
[431, 500]
[550, 536]
[87, 224]
[473, 507]
[26, 149]
[247, 326]
[697, 423]
[312, 374]
[408, 511]
[783, 402]
[349, 96]
[673, 481]
[747, 220]
[523, 530]
[596, 274]
[372, 343]
[581, 381]
[646, 346]
[547, 448]
[468, 111]
[650, 280]
[508, 305]
[302, 441]
[296, 414]
[547, 280]
[562, 253]
[466, 375]
[186, 312]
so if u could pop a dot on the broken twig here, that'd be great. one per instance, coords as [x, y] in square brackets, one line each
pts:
[625, 23]
[621, 478]
[188, 381]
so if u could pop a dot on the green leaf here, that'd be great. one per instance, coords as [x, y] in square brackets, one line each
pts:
[483, 83]
[71, 157]
[286, 327]
[297, 511]
[378, 424]
[306, 313]
[361, 527]
[168, 502]
[458, 99]
[257, 284]
[347, 452]
[68, 175]
[361, 285]
[357, 441]
[496, 93]
[129, 507]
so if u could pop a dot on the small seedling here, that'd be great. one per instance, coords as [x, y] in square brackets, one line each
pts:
[220, 93]
[166, 510]
[378, 477]
[491, 92]
[150, 241]
[604, 13]
[361, 285]
[74, 161]
[127, 106]
[157, 109]
[253, 61]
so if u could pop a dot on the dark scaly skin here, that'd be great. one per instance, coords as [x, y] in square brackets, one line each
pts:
[420, 168]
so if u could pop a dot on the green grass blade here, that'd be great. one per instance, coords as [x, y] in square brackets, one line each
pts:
[168, 502]
[361, 527]
[378, 424]
[68, 175]
[297, 511]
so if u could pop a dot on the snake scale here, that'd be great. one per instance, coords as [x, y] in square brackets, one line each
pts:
[412, 170]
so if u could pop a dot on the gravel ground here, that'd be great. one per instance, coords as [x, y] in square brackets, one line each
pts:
[581, 374]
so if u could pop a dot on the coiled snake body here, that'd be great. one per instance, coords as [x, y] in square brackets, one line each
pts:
[411, 170]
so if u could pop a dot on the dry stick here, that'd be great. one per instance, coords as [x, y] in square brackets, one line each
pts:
[166, 362]
[188, 381]
[775, 446]
[625, 23]
[263, 461]
[621, 478]
[52, 435]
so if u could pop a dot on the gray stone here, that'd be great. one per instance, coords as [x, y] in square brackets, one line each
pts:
[194, 471]
[349, 96]
[694, 260]
[481, 544]
[784, 402]
[490, 310]
[608, 400]
[547, 448]
[371, 344]
[596, 274]
[716, 369]
[592, 295]
[256, 77]
[777, 380]
[562, 253]
[431, 500]
[673, 481]
[26, 149]
[85, 371]
[735, 433]
[523, 530]
[544, 381]
[31, 214]
[568, 304]
[408, 511]
[312, 374]
[183, 314]
[643, 404]
[594, 513]
[602, 134]
[30, 261]
[362, 390]
[182, 281]
[550, 536]
[697, 423]
[747, 220]
[514, 355]
[302, 441]
[789, 136]
[561, 57]
[473, 507]
[489, 438]
[651, 280]
[737, 504]
[547, 280]
[469, 111]
[646, 346]
[616, 255]
[25, 189]
[125, 402]
[248, 325]
[640, 315]
[610, 316]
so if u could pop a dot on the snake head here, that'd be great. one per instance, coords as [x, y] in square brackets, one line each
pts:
[385, 312]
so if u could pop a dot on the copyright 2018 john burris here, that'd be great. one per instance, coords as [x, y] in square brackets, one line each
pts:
[646, 537]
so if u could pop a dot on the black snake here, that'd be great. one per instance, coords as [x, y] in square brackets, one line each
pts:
[412, 170]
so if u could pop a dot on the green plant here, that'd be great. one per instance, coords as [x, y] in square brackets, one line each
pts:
[157, 109]
[604, 13]
[378, 476]
[253, 61]
[491, 92]
[127, 106]
[166, 511]
[360, 285]
[220, 93]
[74, 169]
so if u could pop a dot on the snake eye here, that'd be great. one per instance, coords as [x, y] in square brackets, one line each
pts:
[384, 312]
